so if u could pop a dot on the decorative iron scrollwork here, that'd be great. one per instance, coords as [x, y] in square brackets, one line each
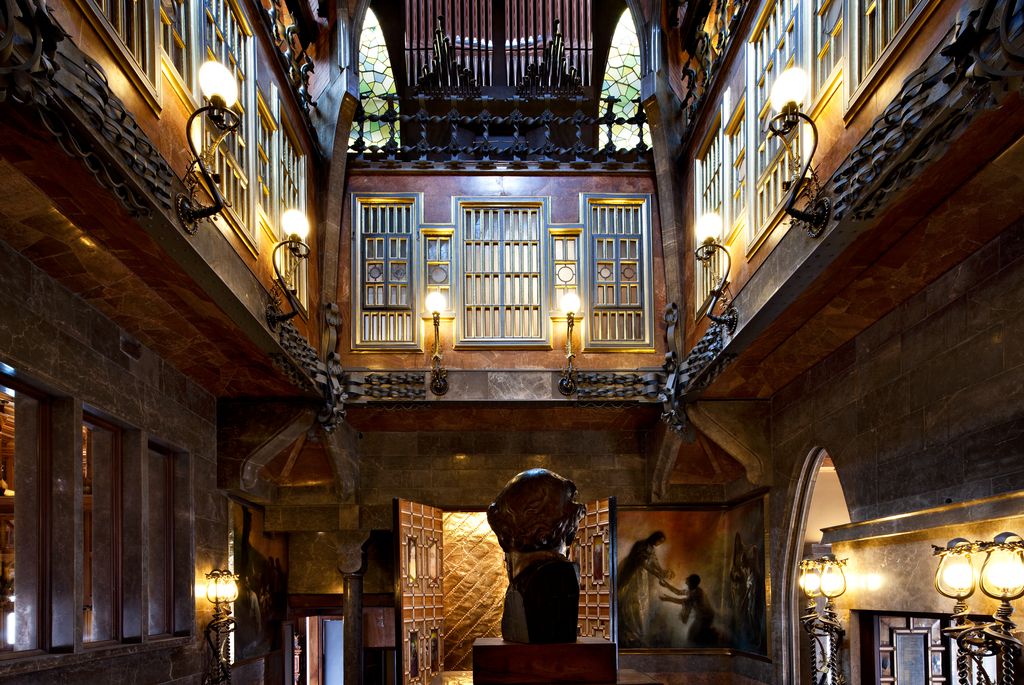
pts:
[593, 385]
[581, 153]
[979, 67]
[28, 30]
[301, 363]
[553, 76]
[694, 373]
[390, 386]
[292, 51]
[41, 67]
[445, 77]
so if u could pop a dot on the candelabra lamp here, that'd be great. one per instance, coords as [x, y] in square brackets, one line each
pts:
[708, 230]
[978, 636]
[221, 590]
[294, 250]
[823, 577]
[436, 303]
[788, 90]
[220, 89]
[570, 304]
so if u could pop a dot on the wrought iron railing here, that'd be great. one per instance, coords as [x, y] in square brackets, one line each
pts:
[547, 136]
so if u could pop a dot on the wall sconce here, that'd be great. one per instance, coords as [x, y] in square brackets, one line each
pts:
[436, 303]
[824, 577]
[220, 88]
[221, 590]
[788, 90]
[708, 229]
[569, 304]
[296, 227]
[1002, 579]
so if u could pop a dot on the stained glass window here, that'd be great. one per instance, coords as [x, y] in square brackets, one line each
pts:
[622, 81]
[376, 80]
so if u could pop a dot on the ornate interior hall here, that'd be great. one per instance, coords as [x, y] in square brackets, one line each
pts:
[291, 289]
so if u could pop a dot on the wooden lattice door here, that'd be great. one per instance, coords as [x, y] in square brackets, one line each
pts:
[592, 549]
[419, 595]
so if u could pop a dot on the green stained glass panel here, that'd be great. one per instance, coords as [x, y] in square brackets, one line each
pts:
[375, 78]
[622, 80]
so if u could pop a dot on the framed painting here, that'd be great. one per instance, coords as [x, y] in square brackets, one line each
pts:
[261, 562]
[693, 577]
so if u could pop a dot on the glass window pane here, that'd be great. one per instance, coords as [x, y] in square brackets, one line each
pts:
[100, 522]
[8, 619]
[160, 540]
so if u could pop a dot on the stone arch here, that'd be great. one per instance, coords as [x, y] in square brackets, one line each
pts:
[796, 524]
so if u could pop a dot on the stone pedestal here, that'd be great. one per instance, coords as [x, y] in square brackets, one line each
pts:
[588, 660]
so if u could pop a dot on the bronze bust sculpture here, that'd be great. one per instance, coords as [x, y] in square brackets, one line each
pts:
[535, 518]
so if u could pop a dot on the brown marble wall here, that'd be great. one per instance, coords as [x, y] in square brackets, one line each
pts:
[923, 409]
[465, 470]
[895, 573]
[55, 341]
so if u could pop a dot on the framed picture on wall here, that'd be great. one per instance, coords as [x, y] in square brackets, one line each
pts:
[693, 577]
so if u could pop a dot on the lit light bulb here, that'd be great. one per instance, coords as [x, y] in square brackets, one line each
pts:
[436, 302]
[833, 580]
[221, 586]
[295, 225]
[570, 303]
[709, 227]
[1002, 575]
[217, 81]
[810, 579]
[954, 577]
[790, 88]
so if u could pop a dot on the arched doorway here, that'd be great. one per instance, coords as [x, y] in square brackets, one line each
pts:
[819, 503]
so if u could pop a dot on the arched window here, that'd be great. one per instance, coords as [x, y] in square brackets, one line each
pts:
[375, 78]
[622, 80]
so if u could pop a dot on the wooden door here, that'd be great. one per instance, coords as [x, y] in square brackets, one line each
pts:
[593, 550]
[419, 595]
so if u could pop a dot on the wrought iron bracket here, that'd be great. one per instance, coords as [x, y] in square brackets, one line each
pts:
[190, 210]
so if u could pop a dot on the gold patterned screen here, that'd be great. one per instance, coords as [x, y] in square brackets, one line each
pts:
[592, 550]
[421, 603]
[474, 585]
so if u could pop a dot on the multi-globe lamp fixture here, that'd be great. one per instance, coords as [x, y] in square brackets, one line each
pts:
[1000, 577]
[823, 577]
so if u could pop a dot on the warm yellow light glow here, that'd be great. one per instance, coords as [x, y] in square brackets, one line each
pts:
[216, 80]
[833, 580]
[295, 225]
[221, 586]
[436, 302]
[570, 303]
[810, 579]
[1002, 575]
[789, 88]
[954, 577]
[708, 226]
